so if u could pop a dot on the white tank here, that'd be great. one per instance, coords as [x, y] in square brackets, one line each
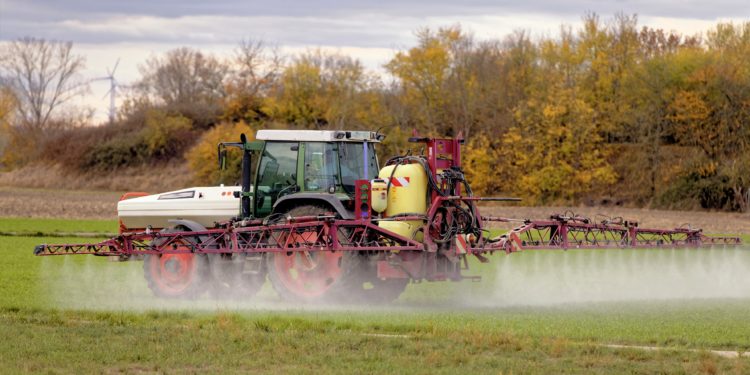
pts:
[204, 205]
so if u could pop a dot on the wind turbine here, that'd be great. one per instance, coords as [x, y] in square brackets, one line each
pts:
[113, 85]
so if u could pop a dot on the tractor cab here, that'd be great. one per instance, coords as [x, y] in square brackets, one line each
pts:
[313, 165]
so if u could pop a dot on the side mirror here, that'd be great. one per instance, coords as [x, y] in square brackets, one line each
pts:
[222, 151]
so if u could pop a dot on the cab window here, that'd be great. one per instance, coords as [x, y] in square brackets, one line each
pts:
[321, 166]
[276, 173]
[353, 163]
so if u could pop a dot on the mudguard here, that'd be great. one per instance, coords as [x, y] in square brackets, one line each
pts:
[288, 201]
[189, 224]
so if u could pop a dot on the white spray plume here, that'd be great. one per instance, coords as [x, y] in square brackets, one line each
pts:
[531, 278]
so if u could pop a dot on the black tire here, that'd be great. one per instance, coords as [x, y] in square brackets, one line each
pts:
[236, 275]
[181, 276]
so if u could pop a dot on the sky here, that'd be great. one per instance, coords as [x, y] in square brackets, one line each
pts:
[104, 31]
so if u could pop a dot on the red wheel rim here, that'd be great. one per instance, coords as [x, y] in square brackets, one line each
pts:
[307, 274]
[173, 273]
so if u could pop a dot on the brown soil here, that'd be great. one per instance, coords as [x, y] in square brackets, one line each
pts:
[77, 204]
[65, 204]
[153, 178]
[54, 192]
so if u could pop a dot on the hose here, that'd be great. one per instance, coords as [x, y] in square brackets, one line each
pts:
[398, 160]
[468, 215]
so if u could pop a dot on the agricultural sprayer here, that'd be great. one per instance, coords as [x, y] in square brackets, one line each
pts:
[321, 220]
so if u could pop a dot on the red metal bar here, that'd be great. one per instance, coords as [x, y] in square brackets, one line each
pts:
[563, 234]
[361, 235]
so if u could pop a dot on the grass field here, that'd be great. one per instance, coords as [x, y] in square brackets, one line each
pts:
[54, 227]
[87, 314]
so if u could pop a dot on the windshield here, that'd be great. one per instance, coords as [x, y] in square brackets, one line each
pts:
[356, 163]
[329, 166]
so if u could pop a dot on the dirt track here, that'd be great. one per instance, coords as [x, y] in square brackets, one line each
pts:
[61, 204]
[16, 202]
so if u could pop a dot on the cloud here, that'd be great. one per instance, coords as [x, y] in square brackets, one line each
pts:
[371, 31]
[380, 24]
[53, 9]
[221, 29]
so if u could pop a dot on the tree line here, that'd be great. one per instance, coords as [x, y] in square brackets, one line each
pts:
[607, 112]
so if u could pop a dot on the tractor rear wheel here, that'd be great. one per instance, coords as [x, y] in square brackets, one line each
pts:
[307, 276]
[175, 275]
[331, 276]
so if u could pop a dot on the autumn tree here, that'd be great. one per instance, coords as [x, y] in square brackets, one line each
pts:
[202, 157]
[449, 83]
[421, 72]
[186, 81]
[321, 90]
[8, 104]
[556, 149]
[711, 109]
[607, 53]
[44, 76]
[254, 72]
[492, 160]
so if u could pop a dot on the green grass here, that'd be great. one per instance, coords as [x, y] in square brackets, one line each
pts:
[27, 226]
[81, 314]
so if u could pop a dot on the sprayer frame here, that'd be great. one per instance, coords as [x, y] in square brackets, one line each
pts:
[451, 205]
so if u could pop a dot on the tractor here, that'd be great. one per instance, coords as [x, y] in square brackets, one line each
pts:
[318, 216]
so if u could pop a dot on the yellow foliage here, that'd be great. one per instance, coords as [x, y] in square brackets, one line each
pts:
[554, 154]
[423, 72]
[300, 101]
[202, 158]
[162, 131]
[11, 144]
[689, 108]
[479, 158]
[327, 90]
[239, 105]
[7, 107]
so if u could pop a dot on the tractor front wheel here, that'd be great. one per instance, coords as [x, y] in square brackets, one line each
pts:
[175, 275]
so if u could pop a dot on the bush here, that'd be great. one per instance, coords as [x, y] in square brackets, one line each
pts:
[701, 187]
[166, 136]
[161, 138]
[115, 153]
[202, 158]
[18, 147]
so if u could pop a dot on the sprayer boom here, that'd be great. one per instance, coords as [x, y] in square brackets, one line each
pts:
[558, 232]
